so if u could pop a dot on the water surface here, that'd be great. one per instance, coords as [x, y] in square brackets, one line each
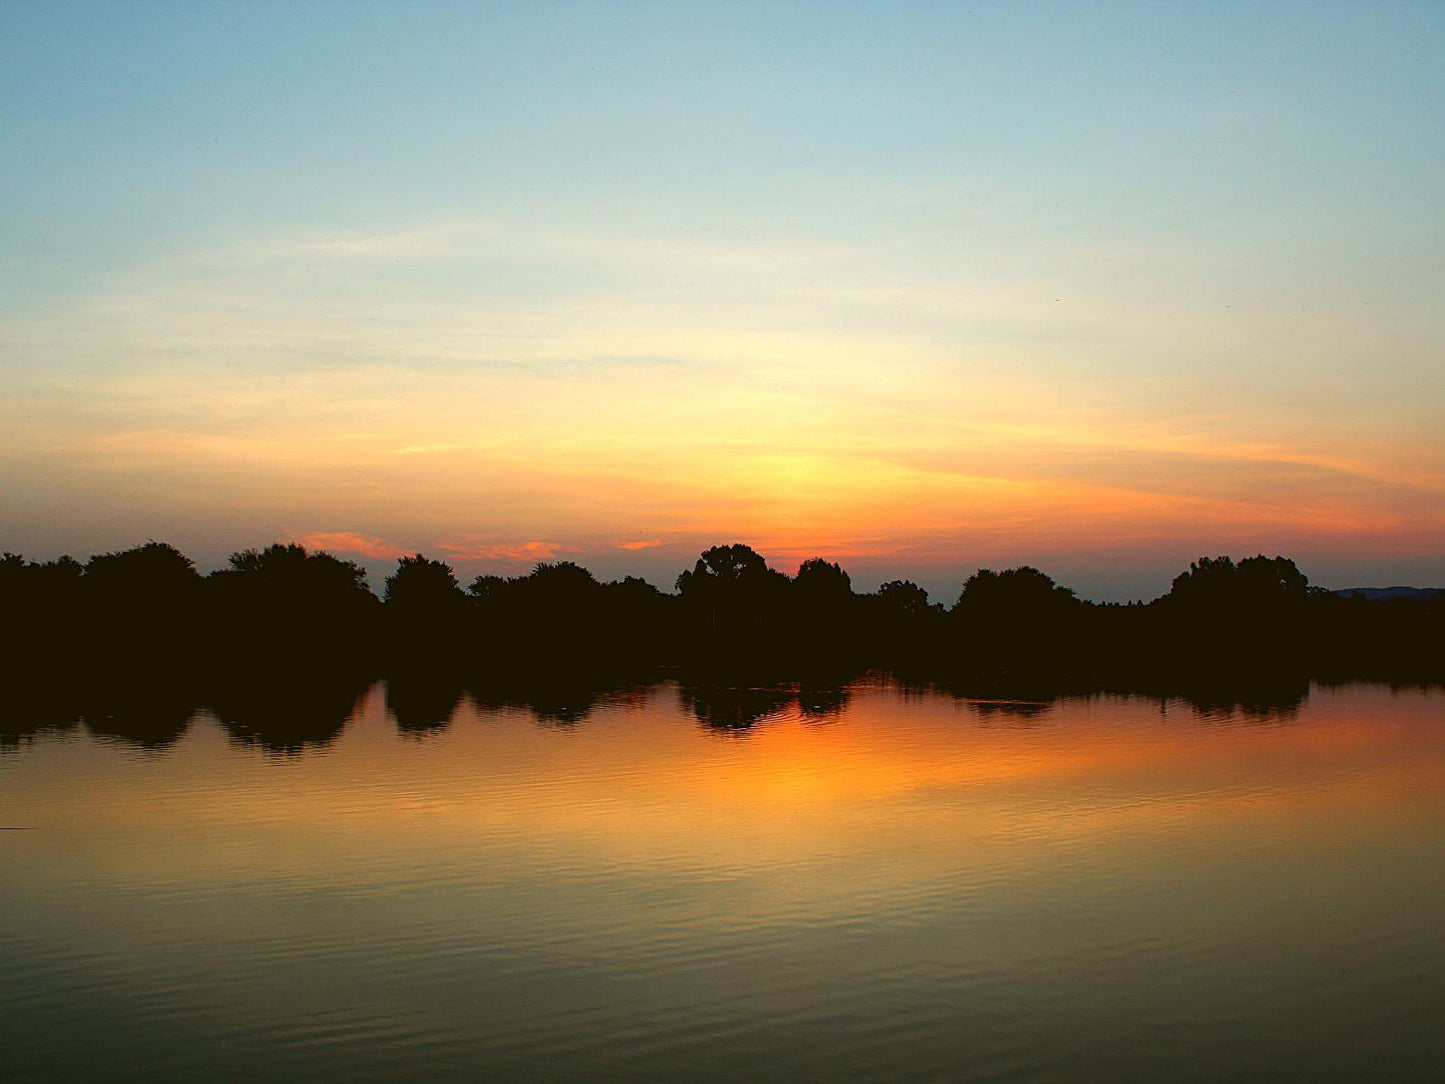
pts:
[675, 884]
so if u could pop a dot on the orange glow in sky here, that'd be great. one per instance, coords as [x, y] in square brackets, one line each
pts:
[1154, 284]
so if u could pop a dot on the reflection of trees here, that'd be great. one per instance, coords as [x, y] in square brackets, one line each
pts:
[287, 713]
[823, 703]
[152, 723]
[731, 709]
[562, 707]
[23, 721]
[1277, 699]
[1012, 711]
[150, 709]
[553, 703]
[421, 704]
[715, 706]
[148, 714]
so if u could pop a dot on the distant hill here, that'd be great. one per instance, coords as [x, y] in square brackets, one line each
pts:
[1410, 594]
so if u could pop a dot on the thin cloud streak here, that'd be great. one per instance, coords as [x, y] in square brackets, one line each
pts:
[506, 552]
[346, 543]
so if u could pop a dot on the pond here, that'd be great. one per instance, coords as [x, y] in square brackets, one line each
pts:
[669, 883]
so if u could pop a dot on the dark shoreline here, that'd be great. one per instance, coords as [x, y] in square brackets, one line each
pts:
[280, 644]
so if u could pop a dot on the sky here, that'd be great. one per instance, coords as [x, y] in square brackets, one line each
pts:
[919, 288]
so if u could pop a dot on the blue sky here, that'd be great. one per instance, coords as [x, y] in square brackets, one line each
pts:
[917, 287]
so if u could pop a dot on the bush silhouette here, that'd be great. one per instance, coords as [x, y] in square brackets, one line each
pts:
[423, 587]
[733, 602]
[101, 633]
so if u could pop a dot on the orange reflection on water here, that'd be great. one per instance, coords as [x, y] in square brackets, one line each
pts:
[923, 785]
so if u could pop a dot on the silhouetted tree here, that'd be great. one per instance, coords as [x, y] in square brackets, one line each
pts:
[904, 596]
[902, 631]
[561, 585]
[284, 605]
[822, 582]
[732, 564]
[641, 621]
[41, 607]
[288, 570]
[1274, 578]
[487, 588]
[426, 614]
[1017, 626]
[154, 575]
[824, 615]
[556, 614]
[1249, 616]
[733, 600]
[423, 587]
[96, 640]
[143, 604]
[559, 605]
[286, 583]
[1255, 585]
[1015, 591]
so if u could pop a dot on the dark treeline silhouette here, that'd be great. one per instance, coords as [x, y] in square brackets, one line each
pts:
[281, 641]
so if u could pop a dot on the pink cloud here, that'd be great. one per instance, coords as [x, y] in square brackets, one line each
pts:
[494, 550]
[643, 544]
[346, 542]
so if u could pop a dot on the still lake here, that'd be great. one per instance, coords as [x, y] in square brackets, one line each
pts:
[877, 884]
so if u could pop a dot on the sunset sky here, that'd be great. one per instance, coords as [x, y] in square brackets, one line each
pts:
[918, 288]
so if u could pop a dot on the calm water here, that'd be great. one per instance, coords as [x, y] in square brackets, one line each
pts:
[877, 885]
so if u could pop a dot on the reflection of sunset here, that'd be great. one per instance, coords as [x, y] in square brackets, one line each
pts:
[500, 504]
[705, 865]
[639, 782]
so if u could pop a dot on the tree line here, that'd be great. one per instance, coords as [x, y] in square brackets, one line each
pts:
[285, 609]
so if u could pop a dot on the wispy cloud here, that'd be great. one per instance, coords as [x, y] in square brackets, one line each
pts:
[346, 542]
[639, 544]
[431, 449]
[492, 549]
